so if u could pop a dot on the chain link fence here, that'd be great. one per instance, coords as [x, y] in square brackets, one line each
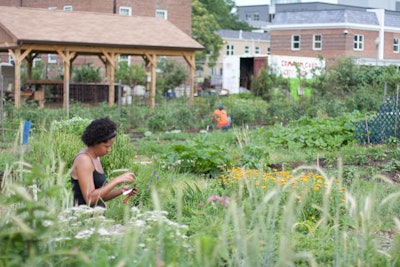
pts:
[383, 127]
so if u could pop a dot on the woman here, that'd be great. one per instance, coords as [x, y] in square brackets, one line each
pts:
[89, 183]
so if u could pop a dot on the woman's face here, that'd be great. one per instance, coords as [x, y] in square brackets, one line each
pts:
[104, 148]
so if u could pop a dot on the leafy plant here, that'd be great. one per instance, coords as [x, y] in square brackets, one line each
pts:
[173, 75]
[315, 133]
[131, 75]
[157, 122]
[197, 156]
[87, 74]
[255, 157]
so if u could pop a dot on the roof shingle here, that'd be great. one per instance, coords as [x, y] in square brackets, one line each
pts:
[326, 16]
[87, 28]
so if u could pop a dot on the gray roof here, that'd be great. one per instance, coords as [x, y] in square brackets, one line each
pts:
[325, 17]
[244, 35]
[392, 19]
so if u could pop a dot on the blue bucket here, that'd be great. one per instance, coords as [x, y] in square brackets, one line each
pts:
[25, 134]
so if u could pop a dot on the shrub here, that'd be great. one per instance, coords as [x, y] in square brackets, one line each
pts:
[87, 74]
[130, 75]
[247, 111]
[157, 122]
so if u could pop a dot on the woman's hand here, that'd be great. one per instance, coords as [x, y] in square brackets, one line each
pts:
[127, 177]
[131, 194]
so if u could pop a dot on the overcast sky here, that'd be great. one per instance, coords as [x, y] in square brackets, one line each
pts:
[267, 2]
[251, 2]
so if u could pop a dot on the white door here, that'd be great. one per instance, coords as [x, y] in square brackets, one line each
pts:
[231, 74]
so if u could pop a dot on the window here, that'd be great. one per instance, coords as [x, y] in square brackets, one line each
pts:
[52, 58]
[358, 42]
[67, 8]
[317, 42]
[271, 17]
[246, 49]
[257, 50]
[125, 58]
[295, 42]
[396, 45]
[256, 16]
[230, 50]
[162, 14]
[269, 50]
[248, 16]
[124, 10]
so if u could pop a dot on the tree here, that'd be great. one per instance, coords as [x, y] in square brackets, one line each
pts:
[87, 74]
[226, 19]
[172, 76]
[130, 75]
[204, 27]
[209, 16]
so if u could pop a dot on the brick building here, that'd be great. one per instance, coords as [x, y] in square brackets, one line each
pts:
[370, 36]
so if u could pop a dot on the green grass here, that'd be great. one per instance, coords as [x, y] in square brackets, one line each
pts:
[347, 215]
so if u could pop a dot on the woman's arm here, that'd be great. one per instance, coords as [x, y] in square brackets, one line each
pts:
[123, 178]
[84, 173]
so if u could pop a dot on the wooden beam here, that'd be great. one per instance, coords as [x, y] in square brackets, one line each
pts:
[190, 59]
[66, 56]
[111, 58]
[29, 59]
[102, 59]
[149, 58]
[18, 57]
[153, 66]
[17, 77]
[98, 50]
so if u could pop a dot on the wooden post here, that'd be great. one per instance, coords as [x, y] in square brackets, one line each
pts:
[151, 59]
[30, 59]
[17, 78]
[111, 58]
[153, 82]
[18, 57]
[190, 60]
[66, 56]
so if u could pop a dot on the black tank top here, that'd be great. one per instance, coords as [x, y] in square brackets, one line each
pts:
[99, 180]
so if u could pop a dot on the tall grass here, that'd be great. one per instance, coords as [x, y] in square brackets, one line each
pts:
[262, 233]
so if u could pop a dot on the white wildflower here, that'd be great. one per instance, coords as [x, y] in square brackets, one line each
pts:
[84, 234]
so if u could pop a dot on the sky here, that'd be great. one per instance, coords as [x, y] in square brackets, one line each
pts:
[251, 2]
[267, 2]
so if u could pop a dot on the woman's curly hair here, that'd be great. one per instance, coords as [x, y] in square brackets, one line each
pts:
[99, 131]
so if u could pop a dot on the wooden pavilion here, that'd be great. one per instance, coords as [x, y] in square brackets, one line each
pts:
[27, 32]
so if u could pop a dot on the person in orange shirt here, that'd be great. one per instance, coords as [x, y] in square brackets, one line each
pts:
[220, 118]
